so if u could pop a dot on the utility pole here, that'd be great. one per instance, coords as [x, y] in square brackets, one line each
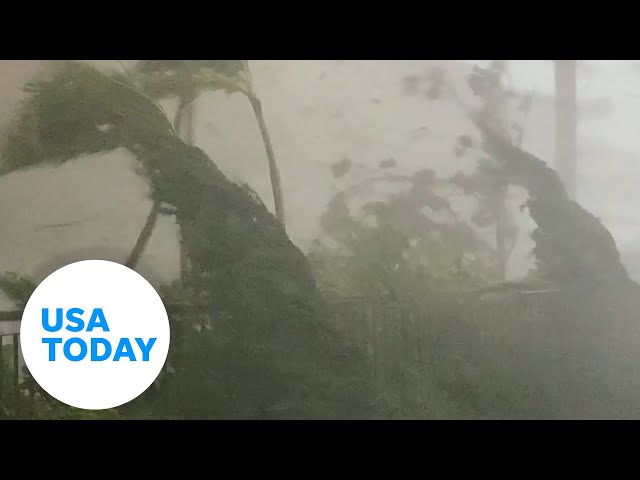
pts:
[566, 123]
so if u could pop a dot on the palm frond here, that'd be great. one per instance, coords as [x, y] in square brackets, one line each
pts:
[229, 68]
[168, 78]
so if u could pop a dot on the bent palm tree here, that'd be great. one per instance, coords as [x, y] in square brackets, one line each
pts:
[186, 79]
[83, 111]
[255, 284]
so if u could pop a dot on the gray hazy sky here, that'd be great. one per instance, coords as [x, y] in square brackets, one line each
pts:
[618, 80]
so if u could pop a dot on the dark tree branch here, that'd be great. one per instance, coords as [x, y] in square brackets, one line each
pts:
[145, 235]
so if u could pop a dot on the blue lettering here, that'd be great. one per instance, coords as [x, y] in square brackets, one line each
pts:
[45, 320]
[98, 320]
[100, 348]
[145, 349]
[71, 316]
[67, 349]
[52, 347]
[124, 349]
[94, 349]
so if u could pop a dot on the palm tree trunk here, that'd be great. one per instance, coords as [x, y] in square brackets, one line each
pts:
[273, 166]
[496, 112]
[566, 124]
[143, 238]
[187, 118]
[501, 236]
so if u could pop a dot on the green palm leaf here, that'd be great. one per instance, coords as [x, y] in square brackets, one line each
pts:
[168, 78]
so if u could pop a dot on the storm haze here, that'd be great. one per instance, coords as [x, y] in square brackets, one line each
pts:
[318, 112]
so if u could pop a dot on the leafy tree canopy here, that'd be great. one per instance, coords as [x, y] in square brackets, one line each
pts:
[271, 351]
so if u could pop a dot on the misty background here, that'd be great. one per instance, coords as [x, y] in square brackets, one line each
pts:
[318, 113]
[402, 281]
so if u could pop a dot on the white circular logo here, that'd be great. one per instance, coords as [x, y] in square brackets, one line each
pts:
[94, 334]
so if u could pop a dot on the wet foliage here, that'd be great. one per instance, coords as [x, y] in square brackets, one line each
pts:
[399, 311]
[271, 351]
